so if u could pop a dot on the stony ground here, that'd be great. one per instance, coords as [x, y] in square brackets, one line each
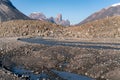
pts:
[6, 75]
[101, 64]
[90, 57]
[104, 28]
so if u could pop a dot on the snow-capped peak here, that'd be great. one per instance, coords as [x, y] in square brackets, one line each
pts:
[117, 4]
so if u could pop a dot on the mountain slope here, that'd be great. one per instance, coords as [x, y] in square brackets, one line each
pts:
[104, 28]
[29, 28]
[113, 10]
[9, 12]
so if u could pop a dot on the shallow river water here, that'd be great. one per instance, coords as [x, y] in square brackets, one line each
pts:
[32, 76]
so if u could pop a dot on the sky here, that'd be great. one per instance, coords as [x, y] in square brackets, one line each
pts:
[73, 10]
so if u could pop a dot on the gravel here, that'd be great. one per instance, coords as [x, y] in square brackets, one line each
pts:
[95, 63]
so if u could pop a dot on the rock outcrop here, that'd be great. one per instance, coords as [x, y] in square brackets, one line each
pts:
[39, 16]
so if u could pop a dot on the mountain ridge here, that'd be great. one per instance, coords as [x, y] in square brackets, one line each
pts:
[57, 20]
[10, 12]
[113, 10]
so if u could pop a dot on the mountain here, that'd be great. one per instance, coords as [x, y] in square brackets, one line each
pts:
[9, 12]
[39, 16]
[57, 20]
[113, 10]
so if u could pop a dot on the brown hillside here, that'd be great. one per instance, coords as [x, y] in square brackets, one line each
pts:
[105, 28]
[28, 27]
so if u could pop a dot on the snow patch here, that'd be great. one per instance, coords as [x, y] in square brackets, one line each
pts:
[117, 4]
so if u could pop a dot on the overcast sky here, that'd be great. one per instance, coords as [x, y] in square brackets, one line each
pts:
[74, 10]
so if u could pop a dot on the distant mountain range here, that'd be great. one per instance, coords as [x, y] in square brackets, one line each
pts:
[113, 10]
[57, 20]
[9, 12]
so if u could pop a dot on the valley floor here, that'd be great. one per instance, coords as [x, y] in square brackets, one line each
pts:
[95, 58]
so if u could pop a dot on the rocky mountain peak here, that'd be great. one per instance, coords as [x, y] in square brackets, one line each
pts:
[37, 15]
[57, 20]
[59, 17]
[9, 12]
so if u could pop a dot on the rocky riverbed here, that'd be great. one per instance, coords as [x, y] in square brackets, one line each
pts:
[98, 63]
